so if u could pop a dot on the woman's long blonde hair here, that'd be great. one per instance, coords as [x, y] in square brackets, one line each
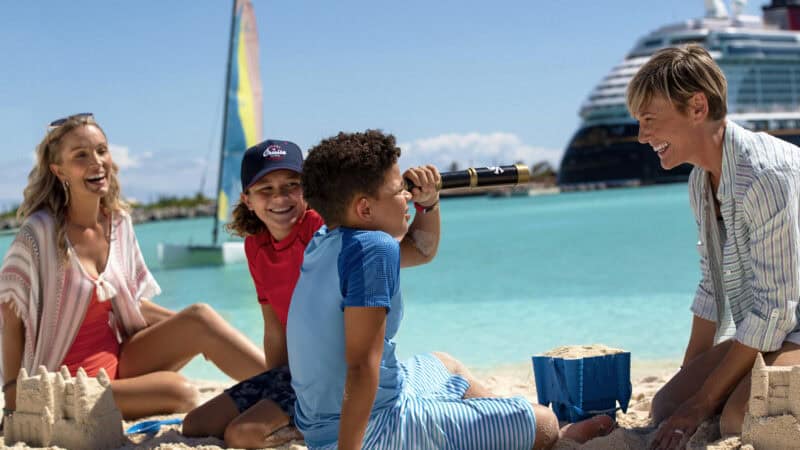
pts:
[46, 192]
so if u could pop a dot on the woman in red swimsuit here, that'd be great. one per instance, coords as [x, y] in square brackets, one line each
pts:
[75, 290]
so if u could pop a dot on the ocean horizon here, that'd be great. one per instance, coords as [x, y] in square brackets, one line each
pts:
[514, 277]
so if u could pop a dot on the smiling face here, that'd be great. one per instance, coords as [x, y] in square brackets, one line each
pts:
[670, 132]
[84, 162]
[389, 208]
[277, 200]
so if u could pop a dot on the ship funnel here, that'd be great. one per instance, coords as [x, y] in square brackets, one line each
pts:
[716, 9]
[785, 14]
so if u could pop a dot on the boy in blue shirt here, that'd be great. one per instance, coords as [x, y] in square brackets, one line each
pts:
[347, 307]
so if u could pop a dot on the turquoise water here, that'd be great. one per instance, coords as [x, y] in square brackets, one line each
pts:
[513, 277]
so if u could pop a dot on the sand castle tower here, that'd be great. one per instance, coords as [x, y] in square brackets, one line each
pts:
[55, 409]
[774, 408]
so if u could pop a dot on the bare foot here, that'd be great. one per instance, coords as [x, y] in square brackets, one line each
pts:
[588, 429]
[282, 436]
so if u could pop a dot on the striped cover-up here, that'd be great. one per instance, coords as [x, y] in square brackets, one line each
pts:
[750, 282]
[51, 295]
[431, 414]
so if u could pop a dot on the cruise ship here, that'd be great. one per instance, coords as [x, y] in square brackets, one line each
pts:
[760, 57]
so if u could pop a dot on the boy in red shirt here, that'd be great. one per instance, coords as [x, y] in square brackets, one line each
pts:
[276, 224]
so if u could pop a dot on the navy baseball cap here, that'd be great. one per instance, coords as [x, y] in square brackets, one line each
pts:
[269, 156]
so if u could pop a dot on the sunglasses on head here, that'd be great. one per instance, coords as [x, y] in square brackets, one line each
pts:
[58, 122]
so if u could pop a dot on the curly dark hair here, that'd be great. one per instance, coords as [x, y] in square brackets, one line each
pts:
[341, 167]
[244, 222]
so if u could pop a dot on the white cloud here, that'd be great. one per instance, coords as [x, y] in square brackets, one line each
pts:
[123, 157]
[475, 150]
[146, 176]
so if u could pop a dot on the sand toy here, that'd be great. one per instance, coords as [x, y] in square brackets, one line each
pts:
[152, 426]
[583, 381]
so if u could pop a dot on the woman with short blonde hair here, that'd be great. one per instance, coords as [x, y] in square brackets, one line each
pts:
[745, 195]
[677, 73]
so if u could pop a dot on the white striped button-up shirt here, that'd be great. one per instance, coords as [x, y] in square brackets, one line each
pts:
[752, 280]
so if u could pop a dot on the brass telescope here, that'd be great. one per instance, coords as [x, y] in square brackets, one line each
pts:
[481, 177]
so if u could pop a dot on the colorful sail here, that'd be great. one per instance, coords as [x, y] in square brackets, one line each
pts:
[243, 121]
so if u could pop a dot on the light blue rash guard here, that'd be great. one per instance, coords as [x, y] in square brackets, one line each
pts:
[341, 268]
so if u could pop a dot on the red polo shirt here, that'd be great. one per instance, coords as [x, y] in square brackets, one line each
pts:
[275, 265]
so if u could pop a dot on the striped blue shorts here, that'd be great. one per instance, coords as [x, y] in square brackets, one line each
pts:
[432, 414]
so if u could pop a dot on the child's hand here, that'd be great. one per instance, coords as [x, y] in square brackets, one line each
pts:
[425, 179]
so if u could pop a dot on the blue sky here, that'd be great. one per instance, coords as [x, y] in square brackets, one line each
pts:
[477, 82]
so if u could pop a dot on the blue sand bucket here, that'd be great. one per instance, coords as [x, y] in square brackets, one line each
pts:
[584, 387]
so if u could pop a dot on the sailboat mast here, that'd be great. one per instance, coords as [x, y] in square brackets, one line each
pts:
[215, 231]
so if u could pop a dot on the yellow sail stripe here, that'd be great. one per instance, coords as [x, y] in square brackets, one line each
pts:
[244, 95]
[222, 209]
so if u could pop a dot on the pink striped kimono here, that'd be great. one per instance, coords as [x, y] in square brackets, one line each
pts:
[51, 295]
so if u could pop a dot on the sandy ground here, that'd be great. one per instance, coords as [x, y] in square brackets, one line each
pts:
[633, 432]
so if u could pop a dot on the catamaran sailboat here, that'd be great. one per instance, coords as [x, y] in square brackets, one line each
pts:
[242, 128]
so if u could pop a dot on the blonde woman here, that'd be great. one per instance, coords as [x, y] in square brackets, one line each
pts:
[75, 290]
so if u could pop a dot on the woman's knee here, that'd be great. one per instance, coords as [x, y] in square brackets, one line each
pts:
[201, 313]
[181, 394]
[154, 393]
[662, 406]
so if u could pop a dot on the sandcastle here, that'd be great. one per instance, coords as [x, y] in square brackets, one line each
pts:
[55, 409]
[772, 421]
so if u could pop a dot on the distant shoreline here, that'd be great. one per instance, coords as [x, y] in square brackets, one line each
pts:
[141, 214]
[531, 188]
[151, 213]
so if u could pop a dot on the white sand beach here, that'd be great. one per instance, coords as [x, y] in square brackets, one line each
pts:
[634, 431]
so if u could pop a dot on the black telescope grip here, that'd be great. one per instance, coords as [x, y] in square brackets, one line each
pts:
[481, 177]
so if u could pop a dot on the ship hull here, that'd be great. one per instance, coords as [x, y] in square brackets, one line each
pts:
[601, 156]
